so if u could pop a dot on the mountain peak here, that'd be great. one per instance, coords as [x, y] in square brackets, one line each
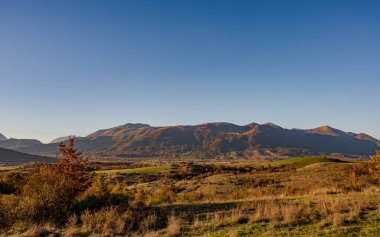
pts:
[366, 137]
[270, 124]
[324, 130]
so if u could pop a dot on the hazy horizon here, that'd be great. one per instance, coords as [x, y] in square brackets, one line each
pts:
[73, 67]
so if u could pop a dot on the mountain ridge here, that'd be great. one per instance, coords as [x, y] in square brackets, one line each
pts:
[218, 139]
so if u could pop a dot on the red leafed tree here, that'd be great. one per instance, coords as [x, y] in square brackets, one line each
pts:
[72, 163]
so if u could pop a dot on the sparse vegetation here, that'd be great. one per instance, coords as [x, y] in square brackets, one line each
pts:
[300, 196]
[375, 166]
[141, 170]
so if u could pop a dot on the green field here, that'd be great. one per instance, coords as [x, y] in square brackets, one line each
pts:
[303, 161]
[152, 170]
[6, 168]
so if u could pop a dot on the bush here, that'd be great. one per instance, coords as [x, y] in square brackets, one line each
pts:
[107, 221]
[375, 166]
[162, 195]
[46, 195]
[99, 194]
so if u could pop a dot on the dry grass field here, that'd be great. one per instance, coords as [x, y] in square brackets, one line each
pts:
[310, 196]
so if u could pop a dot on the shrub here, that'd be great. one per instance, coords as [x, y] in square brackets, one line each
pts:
[106, 221]
[374, 168]
[99, 194]
[162, 195]
[47, 195]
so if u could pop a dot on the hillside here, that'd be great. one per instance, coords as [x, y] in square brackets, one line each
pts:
[217, 140]
[230, 140]
[62, 139]
[13, 143]
[14, 157]
[83, 144]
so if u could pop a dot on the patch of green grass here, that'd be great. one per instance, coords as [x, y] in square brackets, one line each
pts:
[5, 168]
[152, 170]
[303, 161]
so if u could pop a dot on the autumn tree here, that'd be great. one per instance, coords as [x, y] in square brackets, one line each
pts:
[72, 163]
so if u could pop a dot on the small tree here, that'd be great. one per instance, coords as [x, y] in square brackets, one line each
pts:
[72, 163]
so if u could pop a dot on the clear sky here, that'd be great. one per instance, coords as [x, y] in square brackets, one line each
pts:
[73, 67]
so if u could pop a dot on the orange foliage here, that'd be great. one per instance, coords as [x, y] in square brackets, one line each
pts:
[72, 163]
[375, 166]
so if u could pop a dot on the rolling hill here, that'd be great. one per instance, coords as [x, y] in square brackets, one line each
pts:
[13, 143]
[82, 143]
[14, 157]
[62, 139]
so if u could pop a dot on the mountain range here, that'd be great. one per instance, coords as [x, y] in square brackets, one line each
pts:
[212, 140]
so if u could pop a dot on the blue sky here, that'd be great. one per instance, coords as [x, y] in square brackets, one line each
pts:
[72, 67]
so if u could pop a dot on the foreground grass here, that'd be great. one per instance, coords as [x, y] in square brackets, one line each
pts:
[354, 214]
[367, 225]
[152, 170]
[311, 196]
